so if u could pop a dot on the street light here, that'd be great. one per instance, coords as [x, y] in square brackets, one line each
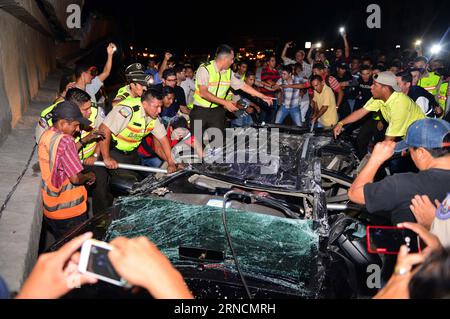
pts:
[435, 49]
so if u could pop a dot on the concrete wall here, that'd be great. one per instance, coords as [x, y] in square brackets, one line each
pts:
[26, 58]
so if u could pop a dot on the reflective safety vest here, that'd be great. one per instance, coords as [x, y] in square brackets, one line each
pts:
[47, 115]
[89, 149]
[123, 93]
[430, 83]
[442, 95]
[130, 138]
[218, 85]
[67, 201]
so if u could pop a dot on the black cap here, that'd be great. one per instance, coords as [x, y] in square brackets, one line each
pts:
[135, 69]
[142, 79]
[69, 111]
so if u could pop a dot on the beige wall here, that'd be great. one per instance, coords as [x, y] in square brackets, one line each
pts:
[26, 58]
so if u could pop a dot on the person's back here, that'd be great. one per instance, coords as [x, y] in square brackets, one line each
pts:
[424, 99]
[428, 142]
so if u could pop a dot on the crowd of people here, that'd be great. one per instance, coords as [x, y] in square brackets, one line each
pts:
[391, 105]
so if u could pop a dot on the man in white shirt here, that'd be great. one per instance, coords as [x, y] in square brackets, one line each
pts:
[299, 58]
[86, 80]
[188, 85]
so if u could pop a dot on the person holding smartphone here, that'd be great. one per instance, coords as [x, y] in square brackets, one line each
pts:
[138, 261]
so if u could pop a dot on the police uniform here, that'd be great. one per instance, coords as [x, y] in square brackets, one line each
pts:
[129, 125]
[134, 73]
[219, 84]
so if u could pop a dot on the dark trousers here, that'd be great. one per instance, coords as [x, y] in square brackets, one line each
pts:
[59, 228]
[100, 191]
[369, 133]
[130, 158]
[205, 118]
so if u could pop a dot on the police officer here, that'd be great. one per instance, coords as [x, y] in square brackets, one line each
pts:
[127, 125]
[432, 81]
[138, 82]
[213, 81]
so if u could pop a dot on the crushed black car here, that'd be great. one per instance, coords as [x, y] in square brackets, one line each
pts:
[278, 227]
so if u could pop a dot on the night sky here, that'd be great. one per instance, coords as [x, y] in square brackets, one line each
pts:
[200, 26]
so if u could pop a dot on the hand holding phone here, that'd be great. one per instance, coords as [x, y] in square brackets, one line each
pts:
[388, 240]
[94, 262]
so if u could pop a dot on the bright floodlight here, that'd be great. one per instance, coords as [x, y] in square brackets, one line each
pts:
[435, 49]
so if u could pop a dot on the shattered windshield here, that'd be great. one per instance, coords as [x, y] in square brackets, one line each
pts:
[279, 251]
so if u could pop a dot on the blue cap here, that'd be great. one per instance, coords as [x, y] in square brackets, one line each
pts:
[427, 133]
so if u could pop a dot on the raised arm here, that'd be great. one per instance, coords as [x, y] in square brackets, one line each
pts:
[164, 63]
[108, 66]
[346, 46]
[286, 47]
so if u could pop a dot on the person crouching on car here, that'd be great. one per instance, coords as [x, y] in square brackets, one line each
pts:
[151, 152]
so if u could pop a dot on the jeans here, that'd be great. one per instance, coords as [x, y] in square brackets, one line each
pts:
[151, 162]
[351, 103]
[268, 113]
[294, 112]
[242, 120]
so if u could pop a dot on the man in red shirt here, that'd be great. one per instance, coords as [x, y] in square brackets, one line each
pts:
[151, 152]
[269, 79]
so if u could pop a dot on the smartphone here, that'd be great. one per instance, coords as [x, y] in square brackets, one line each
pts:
[308, 45]
[388, 240]
[94, 262]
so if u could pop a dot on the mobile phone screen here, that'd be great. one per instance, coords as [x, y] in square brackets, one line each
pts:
[98, 263]
[388, 240]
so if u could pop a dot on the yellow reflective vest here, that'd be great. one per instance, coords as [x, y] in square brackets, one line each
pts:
[219, 85]
[131, 137]
[89, 149]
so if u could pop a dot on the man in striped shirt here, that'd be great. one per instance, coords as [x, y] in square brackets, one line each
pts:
[269, 79]
[64, 166]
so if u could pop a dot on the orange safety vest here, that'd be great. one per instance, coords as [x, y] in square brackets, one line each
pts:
[67, 201]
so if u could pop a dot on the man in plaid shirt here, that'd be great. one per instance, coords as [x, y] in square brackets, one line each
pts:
[289, 97]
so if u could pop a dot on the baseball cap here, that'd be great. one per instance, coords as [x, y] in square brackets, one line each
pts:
[69, 111]
[427, 133]
[387, 78]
